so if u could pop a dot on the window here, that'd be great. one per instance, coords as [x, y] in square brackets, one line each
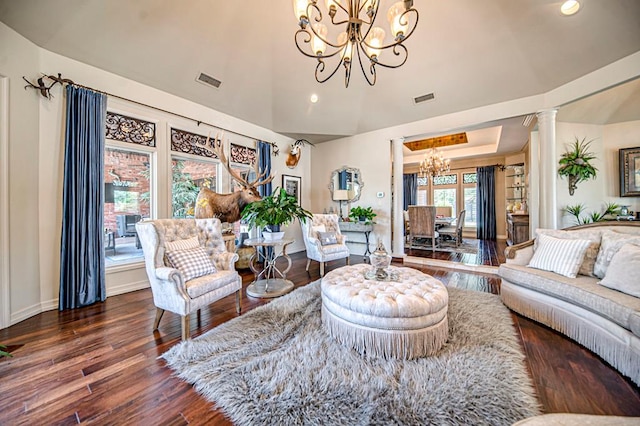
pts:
[445, 190]
[469, 182]
[445, 197]
[458, 190]
[188, 176]
[127, 199]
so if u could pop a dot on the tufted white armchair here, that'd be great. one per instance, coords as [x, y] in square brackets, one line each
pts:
[328, 252]
[171, 292]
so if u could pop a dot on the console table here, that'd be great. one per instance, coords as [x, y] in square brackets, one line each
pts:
[357, 227]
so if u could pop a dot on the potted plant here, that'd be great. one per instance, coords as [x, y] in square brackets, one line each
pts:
[3, 351]
[574, 164]
[362, 214]
[273, 211]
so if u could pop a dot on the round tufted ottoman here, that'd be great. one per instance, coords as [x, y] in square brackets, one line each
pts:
[406, 318]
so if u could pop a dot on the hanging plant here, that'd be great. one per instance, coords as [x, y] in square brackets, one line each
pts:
[575, 165]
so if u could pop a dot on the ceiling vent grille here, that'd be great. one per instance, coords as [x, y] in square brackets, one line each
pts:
[208, 80]
[424, 98]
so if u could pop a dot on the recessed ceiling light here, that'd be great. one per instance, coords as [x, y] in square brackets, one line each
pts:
[314, 98]
[570, 7]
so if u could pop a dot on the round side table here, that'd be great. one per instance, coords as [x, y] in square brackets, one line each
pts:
[270, 281]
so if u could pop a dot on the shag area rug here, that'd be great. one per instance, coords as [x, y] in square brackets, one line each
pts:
[276, 365]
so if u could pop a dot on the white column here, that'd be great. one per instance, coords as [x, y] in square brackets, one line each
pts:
[534, 183]
[398, 197]
[548, 208]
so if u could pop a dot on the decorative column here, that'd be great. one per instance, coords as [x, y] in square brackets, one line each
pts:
[398, 196]
[547, 184]
[534, 183]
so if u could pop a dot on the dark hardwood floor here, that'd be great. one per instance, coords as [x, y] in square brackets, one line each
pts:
[489, 253]
[98, 365]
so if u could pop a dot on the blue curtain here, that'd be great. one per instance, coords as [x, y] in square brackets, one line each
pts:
[82, 277]
[410, 188]
[264, 163]
[486, 203]
[342, 177]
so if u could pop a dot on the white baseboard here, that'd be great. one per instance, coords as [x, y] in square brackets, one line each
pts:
[127, 288]
[26, 313]
[50, 305]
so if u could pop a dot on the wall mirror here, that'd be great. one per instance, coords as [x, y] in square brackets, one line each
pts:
[346, 184]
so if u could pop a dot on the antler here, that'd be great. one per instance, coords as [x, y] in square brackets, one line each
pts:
[219, 152]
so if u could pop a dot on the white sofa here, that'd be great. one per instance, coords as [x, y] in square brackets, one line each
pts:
[604, 320]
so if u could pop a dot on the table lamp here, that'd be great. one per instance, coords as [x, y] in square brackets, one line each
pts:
[340, 195]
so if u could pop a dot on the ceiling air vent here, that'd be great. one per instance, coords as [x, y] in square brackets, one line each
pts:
[208, 80]
[424, 98]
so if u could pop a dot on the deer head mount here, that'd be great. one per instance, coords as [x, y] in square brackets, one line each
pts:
[295, 152]
[228, 207]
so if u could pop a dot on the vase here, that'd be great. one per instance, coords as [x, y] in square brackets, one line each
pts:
[380, 260]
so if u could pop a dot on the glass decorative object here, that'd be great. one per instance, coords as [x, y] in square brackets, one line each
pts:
[380, 261]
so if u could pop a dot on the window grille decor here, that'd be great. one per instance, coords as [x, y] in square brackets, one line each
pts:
[243, 154]
[469, 178]
[423, 181]
[129, 129]
[445, 180]
[190, 143]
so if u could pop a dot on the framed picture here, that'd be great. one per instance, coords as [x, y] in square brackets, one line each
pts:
[293, 186]
[630, 172]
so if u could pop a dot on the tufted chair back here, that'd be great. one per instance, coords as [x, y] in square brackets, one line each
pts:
[208, 231]
[324, 253]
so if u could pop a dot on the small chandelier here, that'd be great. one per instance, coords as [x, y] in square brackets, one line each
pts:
[433, 164]
[358, 37]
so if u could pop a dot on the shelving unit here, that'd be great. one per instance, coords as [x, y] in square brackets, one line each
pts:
[516, 200]
[515, 185]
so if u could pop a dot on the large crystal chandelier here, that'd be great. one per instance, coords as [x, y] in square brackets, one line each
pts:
[434, 164]
[319, 36]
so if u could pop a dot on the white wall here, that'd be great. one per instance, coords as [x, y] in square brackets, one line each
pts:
[19, 57]
[372, 155]
[36, 139]
[605, 188]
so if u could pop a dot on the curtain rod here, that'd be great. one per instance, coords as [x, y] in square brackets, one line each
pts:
[45, 91]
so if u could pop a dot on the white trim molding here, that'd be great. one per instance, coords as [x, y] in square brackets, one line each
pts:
[5, 293]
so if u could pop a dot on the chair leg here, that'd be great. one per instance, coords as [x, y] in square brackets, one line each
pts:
[321, 269]
[198, 317]
[186, 327]
[156, 323]
[238, 297]
[308, 263]
[348, 260]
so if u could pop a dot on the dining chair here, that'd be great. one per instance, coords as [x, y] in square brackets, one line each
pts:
[455, 232]
[422, 224]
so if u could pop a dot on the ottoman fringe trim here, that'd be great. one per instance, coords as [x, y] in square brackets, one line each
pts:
[403, 344]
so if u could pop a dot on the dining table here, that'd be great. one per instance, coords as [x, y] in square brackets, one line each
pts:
[444, 221]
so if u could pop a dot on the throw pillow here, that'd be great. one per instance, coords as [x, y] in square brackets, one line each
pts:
[327, 238]
[187, 243]
[560, 256]
[623, 273]
[315, 230]
[611, 243]
[192, 263]
[593, 235]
